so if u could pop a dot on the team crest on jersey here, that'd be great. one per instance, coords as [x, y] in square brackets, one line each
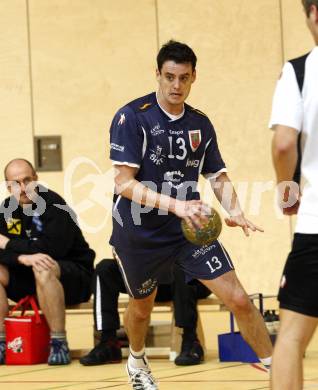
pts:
[14, 226]
[195, 139]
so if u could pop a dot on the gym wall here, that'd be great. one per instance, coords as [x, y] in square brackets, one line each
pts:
[67, 65]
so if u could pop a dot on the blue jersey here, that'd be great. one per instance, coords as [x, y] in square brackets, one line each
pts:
[170, 155]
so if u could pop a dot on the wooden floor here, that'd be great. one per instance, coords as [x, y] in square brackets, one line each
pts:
[211, 375]
[207, 376]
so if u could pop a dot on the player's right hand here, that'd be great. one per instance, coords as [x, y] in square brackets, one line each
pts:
[194, 212]
[38, 261]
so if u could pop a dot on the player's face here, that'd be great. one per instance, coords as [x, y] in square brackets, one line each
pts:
[21, 182]
[175, 82]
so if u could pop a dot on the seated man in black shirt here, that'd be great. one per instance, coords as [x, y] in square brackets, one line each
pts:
[42, 252]
[108, 283]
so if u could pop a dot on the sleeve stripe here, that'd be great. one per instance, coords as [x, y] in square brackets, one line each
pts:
[211, 176]
[144, 146]
[133, 165]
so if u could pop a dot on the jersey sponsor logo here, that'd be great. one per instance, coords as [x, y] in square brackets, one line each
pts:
[202, 251]
[119, 148]
[147, 287]
[156, 156]
[195, 139]
[122, 120]
[143, 107]
[175, 132]
[14, 226]
[174, 178]
[156, 130]
[192, 163]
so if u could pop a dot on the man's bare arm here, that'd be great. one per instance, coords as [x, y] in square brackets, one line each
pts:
[284, 154]
[127, 186]
[226, 195]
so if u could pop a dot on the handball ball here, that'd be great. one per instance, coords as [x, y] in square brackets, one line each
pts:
[209, 232]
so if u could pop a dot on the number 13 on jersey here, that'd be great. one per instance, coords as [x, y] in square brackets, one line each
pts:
[214, 264]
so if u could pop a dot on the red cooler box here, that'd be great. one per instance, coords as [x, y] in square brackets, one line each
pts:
[27, 336]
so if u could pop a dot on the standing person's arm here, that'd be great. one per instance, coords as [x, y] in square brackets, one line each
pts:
[287, 122]
[284, 154]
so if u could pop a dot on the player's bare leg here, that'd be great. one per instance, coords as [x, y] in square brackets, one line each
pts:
[51, 297]
[4, 281]
[250, 322]
[294, 335]
[136, 320]
[50, 294]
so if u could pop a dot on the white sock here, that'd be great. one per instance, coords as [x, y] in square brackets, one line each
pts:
[137, 359]
[58, 335]
[267, 362]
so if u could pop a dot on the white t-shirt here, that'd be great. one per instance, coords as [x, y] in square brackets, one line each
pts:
[300, 111]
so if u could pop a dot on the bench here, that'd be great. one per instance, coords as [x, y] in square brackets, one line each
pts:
[159, 307]
[210, 303]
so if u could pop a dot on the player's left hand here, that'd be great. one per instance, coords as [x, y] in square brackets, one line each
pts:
[3, 241]
[244, 223]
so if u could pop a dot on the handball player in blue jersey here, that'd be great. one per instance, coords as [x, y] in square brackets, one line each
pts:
[159, 147]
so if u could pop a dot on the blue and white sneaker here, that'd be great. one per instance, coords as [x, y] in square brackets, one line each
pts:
[141, 378]
[2, 352]
[59, 352]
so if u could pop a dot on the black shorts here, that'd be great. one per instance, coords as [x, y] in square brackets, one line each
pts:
[299, 285]
[76, 281]
[142, 272]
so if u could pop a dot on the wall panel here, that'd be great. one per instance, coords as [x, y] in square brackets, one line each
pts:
[89, 58]
[15, 113]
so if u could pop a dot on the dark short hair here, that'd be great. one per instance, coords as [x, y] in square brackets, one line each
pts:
[178, 52]
[18, 159]
[307, 4]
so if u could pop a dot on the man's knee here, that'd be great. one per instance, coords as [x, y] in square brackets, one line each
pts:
[141, 314]
[44, 277]
[239, 302]
[141, 308]
[4, 275]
